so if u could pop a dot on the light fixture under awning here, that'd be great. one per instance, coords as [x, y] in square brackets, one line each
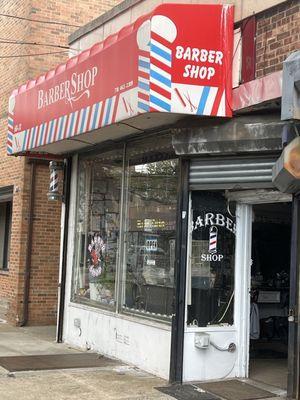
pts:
[176, 60]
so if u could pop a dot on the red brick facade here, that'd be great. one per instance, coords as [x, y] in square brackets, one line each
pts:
[16, 171]
[277, 36]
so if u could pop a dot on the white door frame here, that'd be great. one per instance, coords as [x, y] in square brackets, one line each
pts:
[243, 260]
[242, 285]
[239, 332]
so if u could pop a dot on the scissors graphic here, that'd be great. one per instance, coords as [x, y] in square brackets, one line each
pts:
[188, 100]
[128, 107]
[192, 106]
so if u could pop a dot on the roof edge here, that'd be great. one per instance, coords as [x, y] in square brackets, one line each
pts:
[102, 19]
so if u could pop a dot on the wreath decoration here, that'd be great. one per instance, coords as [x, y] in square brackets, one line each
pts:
[97, 250]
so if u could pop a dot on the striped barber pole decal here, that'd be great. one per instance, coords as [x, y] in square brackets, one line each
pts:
[143, 42]
[53, 187]
[160, 73]
[213, 236]
[143, 80]
[109, 112]
[163, 33]
[10, 133]
[212, 102]
[80, 121]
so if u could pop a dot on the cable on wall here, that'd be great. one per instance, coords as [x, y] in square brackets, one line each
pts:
[39, 21]
[33, 55]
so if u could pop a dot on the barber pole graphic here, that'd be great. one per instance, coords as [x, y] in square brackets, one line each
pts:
[53, 187]
[213, 237]
[53, 193]
[163, 34]
[160, 63]
[109, 113]
[10, 134]
[143, 42]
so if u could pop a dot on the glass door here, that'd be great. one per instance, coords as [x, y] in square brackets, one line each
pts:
[219, 255]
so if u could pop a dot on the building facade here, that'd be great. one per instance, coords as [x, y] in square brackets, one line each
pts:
[177, 243]
[27, 243]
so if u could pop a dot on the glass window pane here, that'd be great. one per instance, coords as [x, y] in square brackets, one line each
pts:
[5, 233]
[211, 261]
[148, 279]
[98, 225]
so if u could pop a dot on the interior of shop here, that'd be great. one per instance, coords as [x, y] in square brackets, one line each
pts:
[270, 270]
[211, 269]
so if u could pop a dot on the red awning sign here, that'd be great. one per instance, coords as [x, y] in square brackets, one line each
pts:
[176, 59]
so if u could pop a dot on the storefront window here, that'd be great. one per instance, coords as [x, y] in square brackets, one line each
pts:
[98, 225]
[125, 229]
[211, 266]
[148, 278]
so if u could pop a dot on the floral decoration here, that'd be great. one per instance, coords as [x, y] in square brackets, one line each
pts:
[97, 250]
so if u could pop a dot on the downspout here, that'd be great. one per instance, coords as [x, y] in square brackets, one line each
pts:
[62, 285]
[29, 246]
[178, 317]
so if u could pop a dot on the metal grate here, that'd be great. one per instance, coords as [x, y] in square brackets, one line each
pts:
[231, 173]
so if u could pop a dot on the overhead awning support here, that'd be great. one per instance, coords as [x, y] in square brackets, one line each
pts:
[172, 62]
[244, 134]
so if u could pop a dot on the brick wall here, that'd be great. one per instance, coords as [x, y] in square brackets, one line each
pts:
[278, 35]
[14, 170]
[45, 252]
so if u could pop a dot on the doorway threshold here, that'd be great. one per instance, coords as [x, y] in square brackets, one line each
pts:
[267, 387]
[238, 389]
[232, 389]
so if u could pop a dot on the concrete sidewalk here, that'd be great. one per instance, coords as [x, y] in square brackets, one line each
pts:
[35, 340]
[119, 382]
[109, 383]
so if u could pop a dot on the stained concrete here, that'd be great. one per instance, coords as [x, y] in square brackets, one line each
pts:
[30, 341]
[107, 383]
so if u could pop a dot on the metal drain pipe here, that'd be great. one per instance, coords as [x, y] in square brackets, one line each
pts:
[62, 284]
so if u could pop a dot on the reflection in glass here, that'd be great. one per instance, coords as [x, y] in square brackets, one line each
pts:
[98, 222]
[148, 278]
[211, 284]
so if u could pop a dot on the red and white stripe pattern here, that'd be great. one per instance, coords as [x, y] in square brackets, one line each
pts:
[199, 100]
[163, 33]
[143, 42]
[143, 81]
[89, 118]
[213, 237]
[212, 101]
[10, 134]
